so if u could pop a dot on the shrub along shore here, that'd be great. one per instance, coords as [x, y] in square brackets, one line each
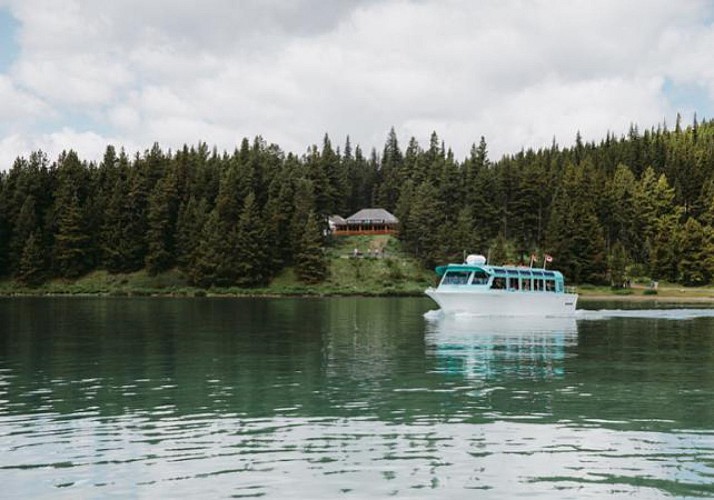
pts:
[382, 269]
[102, 284]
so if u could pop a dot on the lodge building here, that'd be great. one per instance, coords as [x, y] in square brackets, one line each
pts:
[367, 221]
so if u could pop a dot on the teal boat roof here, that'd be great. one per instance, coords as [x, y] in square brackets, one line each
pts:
[441, 270]
[458, 267]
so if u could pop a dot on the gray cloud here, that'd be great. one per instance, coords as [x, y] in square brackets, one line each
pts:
[217, 70]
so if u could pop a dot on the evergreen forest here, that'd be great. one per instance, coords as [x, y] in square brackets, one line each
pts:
[639, 205]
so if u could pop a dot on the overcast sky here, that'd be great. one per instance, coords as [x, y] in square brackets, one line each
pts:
[85, 73]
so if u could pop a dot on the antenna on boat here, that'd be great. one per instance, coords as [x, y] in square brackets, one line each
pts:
[488, 255]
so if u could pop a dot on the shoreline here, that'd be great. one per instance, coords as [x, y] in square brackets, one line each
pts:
[672, 299]
[673, 296]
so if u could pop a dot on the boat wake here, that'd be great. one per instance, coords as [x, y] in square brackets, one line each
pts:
[434, 314]
[438, 314]
[670, 314]
[595, 315]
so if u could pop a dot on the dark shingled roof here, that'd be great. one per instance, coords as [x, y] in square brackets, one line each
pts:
[373, 215]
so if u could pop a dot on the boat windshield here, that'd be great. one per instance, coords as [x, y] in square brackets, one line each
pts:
[456, 278]
[480, 277]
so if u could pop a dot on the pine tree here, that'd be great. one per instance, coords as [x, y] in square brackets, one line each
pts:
[501, 251]
[664, 249]
[464, 239]
[252, 265]
[618, 265]
[162, 216]
[191, 219]
[656, 221]
[278, 216]
[134, 215]
[575, 236]
[32, 267]
[692, 267]
[332, 167]
[389, 173]
[310, 260]
[25, 225]
[304, 205]
[4, 227]
[316, 174]
[71, 241]
[114, 234]
[425, 226]
[403, 210]
[623, 215]
[213, 264]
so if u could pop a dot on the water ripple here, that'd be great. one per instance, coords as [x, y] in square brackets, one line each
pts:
[331, 454]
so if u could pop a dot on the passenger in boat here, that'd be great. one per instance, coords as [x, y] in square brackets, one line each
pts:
[498, 283]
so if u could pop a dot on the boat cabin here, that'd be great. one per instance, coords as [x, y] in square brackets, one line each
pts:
[516, 279]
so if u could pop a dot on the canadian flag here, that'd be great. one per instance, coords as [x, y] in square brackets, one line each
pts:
[548, 258]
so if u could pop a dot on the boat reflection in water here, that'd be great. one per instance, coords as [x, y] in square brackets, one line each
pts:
[500, 347]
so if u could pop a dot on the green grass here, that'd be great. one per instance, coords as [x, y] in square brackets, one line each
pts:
[105, 283]
[393, 273]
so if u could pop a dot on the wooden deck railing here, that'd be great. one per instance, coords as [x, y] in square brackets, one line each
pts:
[354, 232]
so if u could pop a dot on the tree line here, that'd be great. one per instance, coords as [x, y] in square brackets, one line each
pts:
[637, 205]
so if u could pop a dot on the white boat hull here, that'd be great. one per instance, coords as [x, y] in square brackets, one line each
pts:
[504, 303]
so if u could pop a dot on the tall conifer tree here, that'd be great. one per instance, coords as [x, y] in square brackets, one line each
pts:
[310, 261]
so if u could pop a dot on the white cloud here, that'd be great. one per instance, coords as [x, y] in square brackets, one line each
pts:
[516, 72]
[16, 105]
[88, 145]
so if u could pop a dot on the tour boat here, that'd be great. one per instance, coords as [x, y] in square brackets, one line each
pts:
[478, 288]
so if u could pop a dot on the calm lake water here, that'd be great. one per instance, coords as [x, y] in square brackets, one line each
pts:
[353, 398]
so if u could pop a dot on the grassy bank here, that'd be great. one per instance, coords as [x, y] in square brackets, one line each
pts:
[379, 267]
[667, 292]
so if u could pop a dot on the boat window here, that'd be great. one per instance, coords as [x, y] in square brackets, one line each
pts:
[498, 283]
[548, 273]
[511, 272]
[538, 273]
[456, 278]
[499, 271]
[538, 285]
[549, 285]
[559, 286]
[526, 284]
[480, 277]
[513, 283]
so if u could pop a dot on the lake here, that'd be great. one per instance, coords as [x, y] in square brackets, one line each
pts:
[350, 397]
